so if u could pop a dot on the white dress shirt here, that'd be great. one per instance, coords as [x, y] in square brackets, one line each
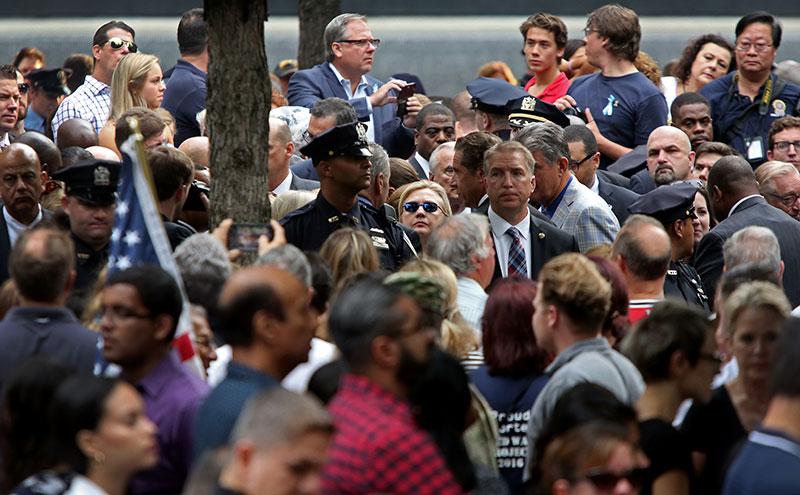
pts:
[471, 301]
[15, 228]
[502, 240]
[361, 92]
[284, 186]
[426, 166]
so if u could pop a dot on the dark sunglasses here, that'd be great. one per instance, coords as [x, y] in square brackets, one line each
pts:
[23, 88]
[427, 206]
[118, 43]
[607, 480]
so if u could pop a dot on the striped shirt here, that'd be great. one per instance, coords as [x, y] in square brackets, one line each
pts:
[90, 102]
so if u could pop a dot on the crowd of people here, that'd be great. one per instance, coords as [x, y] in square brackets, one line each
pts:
[579, 281]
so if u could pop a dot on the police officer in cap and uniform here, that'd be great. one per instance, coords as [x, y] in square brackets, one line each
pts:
[340, 156]
[88, 201]
[528, 110]
[673, 206]
[490, 99]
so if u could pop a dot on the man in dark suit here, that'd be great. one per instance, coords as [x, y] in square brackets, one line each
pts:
[351, 49]
[584, 162]
[20, 190]
[435, 126]
[737, 203]
[281, 148]
[522, 242]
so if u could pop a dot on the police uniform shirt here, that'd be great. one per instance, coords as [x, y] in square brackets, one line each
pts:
[683, 282]
[88, 263]
[308, 227]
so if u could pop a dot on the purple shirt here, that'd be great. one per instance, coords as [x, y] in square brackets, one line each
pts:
[172, 395]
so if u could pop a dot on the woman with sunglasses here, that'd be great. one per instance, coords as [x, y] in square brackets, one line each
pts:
[675, 350]
[595, 458]
[137, 82]
[101, 437]
[423, 204]
[752, 318]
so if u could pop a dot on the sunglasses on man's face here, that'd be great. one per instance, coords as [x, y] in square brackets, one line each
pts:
[118, 43]
[427, 206]
[23, 88]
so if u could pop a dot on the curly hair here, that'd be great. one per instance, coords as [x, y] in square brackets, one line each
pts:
[683, 68]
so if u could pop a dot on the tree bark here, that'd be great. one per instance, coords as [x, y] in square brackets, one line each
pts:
[238, 104]
[314, 16]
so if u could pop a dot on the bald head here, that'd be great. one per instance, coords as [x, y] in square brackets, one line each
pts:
[644, 247]
[103, 153]
[18, 154]
[669, 155]
[76, 132]
[47, 151]
[21, 182]
[280, 129]
[198, 149]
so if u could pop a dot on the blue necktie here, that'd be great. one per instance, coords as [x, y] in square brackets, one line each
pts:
[516, 254]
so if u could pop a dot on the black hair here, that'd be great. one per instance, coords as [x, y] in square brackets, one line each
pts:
[101, 35]
[157, 290]
[763, 17]
[786, 361]
[574, 133]
[432, 109]
[324, 383]
[687, 99]
[236, 314]
[192, 32]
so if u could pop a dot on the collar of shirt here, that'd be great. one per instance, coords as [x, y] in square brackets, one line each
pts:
[595, 344]
[551, 210]
[44, 315]
[285, 185]
[596, 185]
[96, 87]
[485, 197]
[502, 242]
[240, 372]
[152, 384]
[15, 227]
[183, 64]
[365, 388]
[426, 166]
[500, 226]
[736, 205]
[33, 121]
[361, 89]
[85, 486]
[329, 211]
[4, 141]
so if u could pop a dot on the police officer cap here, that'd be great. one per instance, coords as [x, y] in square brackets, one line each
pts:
[668, 203]
[92, 181]
[492, 95]
[529, 109]
[51, 81]
[342, 140]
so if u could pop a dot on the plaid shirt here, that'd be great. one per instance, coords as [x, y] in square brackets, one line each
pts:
[90, 102]
[377, 447]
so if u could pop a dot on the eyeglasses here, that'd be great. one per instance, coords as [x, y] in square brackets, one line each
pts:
[587, 31]
[784, 145]
[573, 164]
[23, 88]
[745, 46]
[786, 199]
[714, 357]
[117, 313]
[118, 43]
[606, 480]
[362, 43]
[427, 206]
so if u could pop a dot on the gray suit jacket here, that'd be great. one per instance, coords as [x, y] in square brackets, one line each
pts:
[301, 184]
[587, 216]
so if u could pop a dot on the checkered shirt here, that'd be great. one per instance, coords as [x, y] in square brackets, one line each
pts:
[377, 447]
[90, 102]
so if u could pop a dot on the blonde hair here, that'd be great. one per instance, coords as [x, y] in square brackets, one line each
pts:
[572, 283]
[498, 70]
[458, 338]
[758, 294]
[128, 78]
[349, 252]
[419, 185]
[290, 201]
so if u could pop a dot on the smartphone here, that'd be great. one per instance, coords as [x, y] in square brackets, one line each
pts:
[405, 93]
[244, 236]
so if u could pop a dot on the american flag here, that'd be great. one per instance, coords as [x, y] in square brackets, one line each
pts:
[139, 238]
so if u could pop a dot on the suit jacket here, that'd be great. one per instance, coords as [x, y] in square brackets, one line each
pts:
[616, 179]
[585, 215]
[308, 86]
[547, 242]
[483, 209]
[753, 211]
[618, 197]
[305, 170]
[301, 184]
[642, 183]
[418, 167]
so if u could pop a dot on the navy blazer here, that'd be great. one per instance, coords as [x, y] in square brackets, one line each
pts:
[308, 86]
[618, 197]
[642, 183]
[753, 211]
[417, 167]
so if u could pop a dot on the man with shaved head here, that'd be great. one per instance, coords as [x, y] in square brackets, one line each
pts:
[76, 132]
[267, 320]
[198, 149]
[669, 159]
[47, 151]
[281, 147]
[736, 202]
[21, 180]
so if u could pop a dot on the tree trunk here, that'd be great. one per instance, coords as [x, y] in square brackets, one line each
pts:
[238, 104]
[314, 16]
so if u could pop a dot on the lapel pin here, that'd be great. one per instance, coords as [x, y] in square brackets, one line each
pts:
[541, 235]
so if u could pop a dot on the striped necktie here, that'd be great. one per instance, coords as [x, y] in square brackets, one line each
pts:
[516, 254]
